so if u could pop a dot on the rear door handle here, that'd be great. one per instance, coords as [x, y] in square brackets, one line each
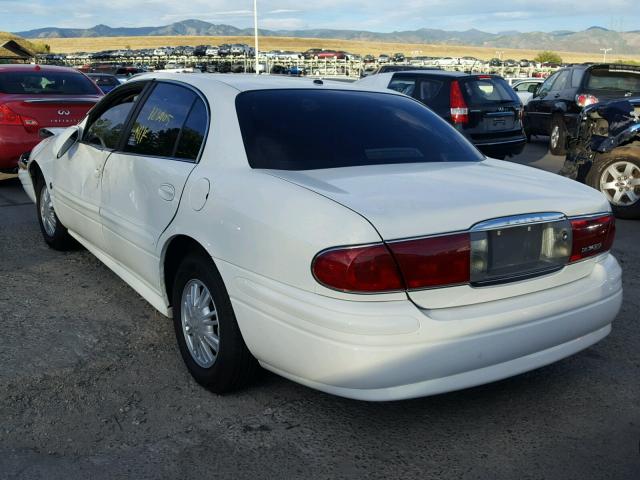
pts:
[167, 192]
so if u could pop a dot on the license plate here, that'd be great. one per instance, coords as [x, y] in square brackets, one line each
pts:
[500, 123]
[517, 252]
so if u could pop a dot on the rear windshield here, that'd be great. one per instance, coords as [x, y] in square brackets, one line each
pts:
[46, 83]
[604, 79]
[312, 129]
[105, 81]
[487, 90]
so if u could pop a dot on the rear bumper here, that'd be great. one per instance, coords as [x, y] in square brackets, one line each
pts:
[14, 141]
[406, 352]
[502, 148]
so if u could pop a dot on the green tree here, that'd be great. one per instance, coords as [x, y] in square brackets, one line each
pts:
[548, 57]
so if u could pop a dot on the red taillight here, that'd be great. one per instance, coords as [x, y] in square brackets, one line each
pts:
[434, 261]
[359, 269]
[584, 100]
[409, 264]
[459, 110]
[592, 236]
[9, 117]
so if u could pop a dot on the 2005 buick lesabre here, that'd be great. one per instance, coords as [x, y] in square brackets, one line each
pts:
[344, 238]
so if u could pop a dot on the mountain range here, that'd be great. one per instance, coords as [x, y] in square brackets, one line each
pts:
[589, 40]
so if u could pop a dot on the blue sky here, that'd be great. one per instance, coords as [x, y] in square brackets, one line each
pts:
[376, 15]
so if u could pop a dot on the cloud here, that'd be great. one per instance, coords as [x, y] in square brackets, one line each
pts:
[381, 15]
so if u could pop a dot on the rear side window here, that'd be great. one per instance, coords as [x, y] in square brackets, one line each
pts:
[429, 89]
[193, 132]
[487, 90]
[157, 126]
[576, 78]
[605, 79]
[403, 85]
[34, 82]
[334, 128]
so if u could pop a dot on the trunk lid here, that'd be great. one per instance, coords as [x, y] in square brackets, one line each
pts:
[412, 200]
[51, 111]
[418, 200]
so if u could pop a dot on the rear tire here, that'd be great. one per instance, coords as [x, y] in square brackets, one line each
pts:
[54, 233]
[207, 332]
[558, 136]
[617, 175]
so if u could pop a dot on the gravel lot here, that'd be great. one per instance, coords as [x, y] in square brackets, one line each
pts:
[92, 386]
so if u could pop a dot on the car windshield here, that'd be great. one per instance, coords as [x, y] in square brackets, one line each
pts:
[313, 129]
[625, 81]
[46, 83]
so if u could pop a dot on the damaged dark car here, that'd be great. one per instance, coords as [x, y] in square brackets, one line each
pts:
[605, 153]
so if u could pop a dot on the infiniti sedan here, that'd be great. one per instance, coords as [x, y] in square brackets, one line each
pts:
[39, 96]
[384, 259]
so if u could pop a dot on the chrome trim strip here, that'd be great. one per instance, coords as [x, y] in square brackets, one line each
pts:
[518, 221]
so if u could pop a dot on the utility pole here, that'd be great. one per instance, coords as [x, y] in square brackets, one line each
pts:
[499, 53]
[255, 33]
[604, 54]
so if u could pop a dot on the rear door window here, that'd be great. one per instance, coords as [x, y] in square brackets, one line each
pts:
[157, 126]
[563, 81]
[429, 89]
[43, 82]
[487, 90]
[336, 128]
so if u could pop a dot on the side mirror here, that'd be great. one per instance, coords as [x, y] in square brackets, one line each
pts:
[66, 140]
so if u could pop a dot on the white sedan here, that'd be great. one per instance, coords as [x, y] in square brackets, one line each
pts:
[344, 238]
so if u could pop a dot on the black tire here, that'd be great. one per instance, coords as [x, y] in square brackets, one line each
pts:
[527, 134]
[600, 165]
[57, 237]
[234, 367]
[558, 146]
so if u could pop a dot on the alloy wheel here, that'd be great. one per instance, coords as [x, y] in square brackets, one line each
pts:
[620, 183]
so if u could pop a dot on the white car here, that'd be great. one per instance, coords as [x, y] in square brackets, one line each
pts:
[525, 88]
[361, 247]
[447, 61]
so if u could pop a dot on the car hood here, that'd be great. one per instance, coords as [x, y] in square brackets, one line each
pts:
[410, 200]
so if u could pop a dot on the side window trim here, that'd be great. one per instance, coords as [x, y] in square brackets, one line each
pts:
[134, 114]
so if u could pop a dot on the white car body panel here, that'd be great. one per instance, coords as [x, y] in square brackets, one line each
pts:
[140, 198]
[262, 228]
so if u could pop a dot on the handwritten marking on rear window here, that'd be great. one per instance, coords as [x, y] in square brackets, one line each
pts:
[159, 115]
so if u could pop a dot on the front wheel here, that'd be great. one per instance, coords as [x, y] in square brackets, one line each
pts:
[617, 175]
[206, 329]
[53, 232]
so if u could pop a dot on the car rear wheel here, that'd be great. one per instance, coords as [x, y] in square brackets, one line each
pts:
[53, 232]
[558, 136]
[206, 329]
[617, 175]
